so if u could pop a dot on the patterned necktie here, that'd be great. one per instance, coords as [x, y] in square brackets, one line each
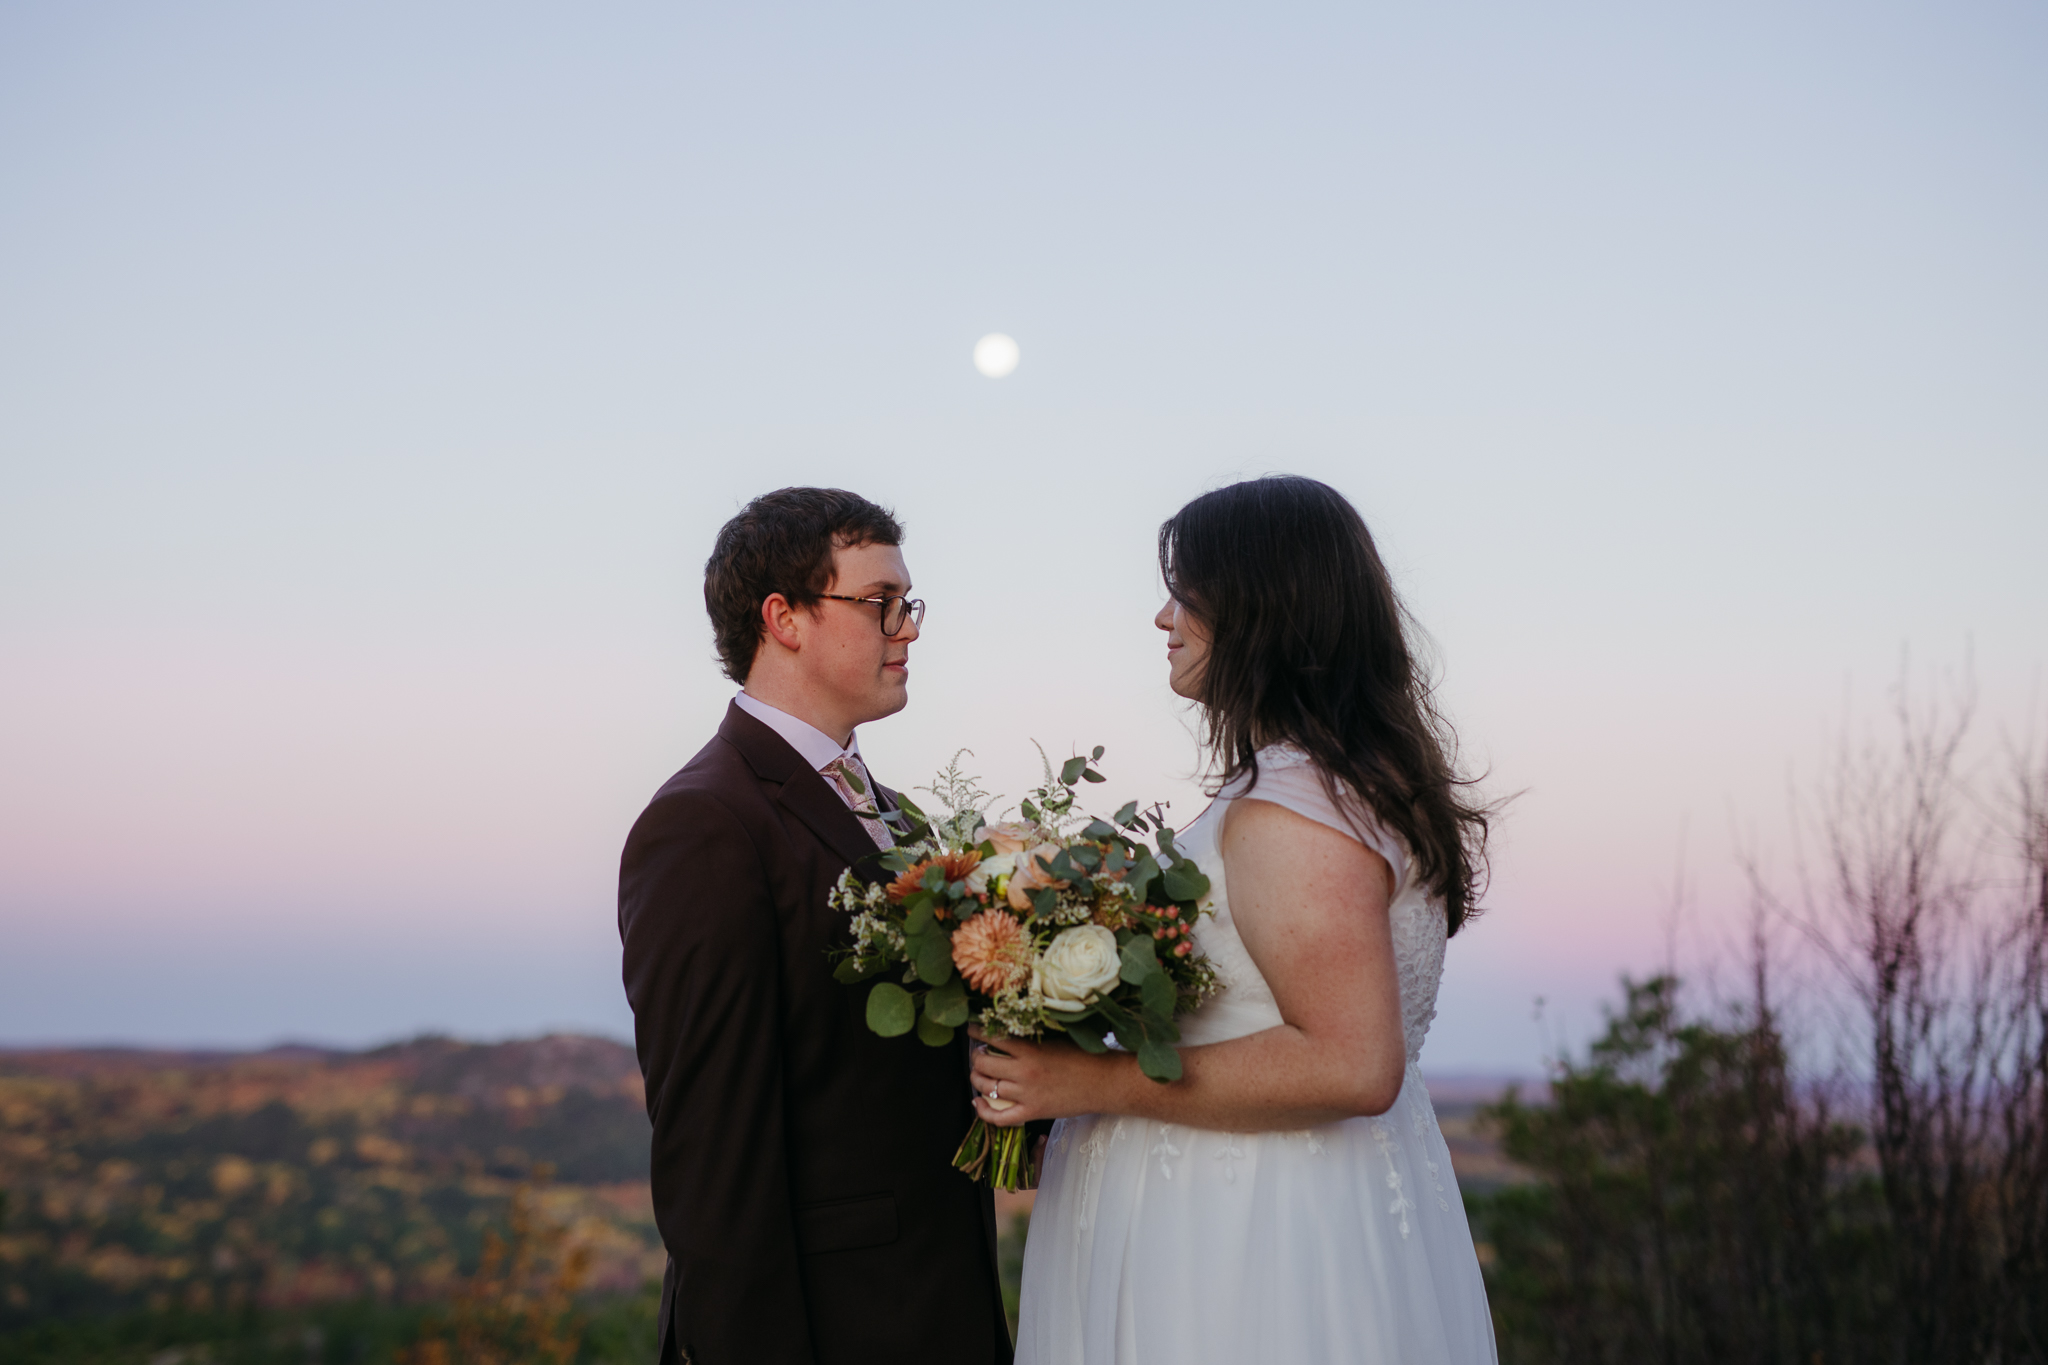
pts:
[844, 773]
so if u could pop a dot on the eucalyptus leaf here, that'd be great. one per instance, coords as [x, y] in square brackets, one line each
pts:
[947, 1004]
[854, 970]
[1140, 960]
[1159, 1026]
[1090, 775]
[1099, 830]
[1097, 754]
[920, 917]
[894, 861]
[1166, 840]
[1071, 770]
[933, 1035]
[935, 958]
[1118, 1018]
[911, 807]
[1157, 993]
[1087, 1035]
[1141, 874]
[1045, 902]
[1085, 856]
[1127, 815]
[1159, 1060]
[891, 1011]
[1184, 883]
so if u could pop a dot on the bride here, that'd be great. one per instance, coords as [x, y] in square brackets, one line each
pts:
[1290, 1199]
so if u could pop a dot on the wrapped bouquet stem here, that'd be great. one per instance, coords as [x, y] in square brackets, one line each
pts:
[1055, 923]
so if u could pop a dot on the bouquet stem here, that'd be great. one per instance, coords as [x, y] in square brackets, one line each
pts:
[999, 1156]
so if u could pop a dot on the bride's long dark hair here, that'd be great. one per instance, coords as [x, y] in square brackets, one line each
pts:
[1311, 646]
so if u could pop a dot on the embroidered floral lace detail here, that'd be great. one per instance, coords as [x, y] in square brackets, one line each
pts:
[1423, 1119]
[1399, 1204]
[1315, 1140]
[1096, 1148]
[1165, 1150]
[1230, 1156]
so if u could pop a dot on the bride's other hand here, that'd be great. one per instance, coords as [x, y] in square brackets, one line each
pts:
[1046, 1080]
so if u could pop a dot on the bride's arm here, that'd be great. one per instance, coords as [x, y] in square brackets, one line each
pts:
[1311, 906]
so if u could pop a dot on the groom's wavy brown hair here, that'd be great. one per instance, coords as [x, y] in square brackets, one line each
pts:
[1311, 646]
[782, 542]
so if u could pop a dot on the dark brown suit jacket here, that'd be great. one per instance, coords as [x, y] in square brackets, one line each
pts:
[802, 1166]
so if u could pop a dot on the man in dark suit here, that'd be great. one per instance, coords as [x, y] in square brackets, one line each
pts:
[801, 1165]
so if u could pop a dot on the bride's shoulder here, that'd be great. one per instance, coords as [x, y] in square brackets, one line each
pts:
[1289, 776]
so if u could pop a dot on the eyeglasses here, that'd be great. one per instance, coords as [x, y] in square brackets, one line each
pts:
[895, 610]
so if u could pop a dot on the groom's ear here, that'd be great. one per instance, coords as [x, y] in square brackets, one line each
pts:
[780, 622]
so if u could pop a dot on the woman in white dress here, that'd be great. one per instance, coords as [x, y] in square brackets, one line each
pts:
[1290, 1198]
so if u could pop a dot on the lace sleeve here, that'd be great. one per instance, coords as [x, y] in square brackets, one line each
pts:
[1288, 778]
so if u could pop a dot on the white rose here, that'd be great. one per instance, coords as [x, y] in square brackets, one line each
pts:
[1002, 865]
[1079, 965]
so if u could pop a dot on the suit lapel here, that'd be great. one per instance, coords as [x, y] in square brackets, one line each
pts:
[803, 793]
[811, 800]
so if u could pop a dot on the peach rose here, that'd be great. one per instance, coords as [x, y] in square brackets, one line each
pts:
[1011, 836]
[1030, 877]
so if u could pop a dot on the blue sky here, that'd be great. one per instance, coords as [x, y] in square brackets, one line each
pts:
[372, 381]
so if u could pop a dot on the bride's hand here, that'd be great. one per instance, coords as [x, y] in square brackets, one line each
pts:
[1045, 1080]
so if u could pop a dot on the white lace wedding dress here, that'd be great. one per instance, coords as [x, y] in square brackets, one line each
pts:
[1161, 1244]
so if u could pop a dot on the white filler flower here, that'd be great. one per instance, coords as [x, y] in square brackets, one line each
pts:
[1079, 965]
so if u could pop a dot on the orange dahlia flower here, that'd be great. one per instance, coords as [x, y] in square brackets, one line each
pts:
[958, 867]
[992, 952]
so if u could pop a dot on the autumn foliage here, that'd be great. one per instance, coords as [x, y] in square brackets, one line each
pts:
[519, 1306]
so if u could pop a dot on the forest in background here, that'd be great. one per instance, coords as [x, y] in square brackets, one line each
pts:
[270, 1200]
[300, 1204]
[1846, 1159]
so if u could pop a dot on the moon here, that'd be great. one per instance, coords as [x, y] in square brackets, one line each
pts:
[995, 355]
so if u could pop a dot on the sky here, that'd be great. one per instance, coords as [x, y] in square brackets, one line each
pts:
[373, 379]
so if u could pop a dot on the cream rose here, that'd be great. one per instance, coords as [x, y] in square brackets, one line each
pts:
[1030, 877]
[1011, 836]
[991, 869]
[1079, 965]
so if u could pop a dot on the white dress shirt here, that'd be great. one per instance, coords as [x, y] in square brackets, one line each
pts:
[813, 745]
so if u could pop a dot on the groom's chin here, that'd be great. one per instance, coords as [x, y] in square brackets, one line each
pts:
[893, 695]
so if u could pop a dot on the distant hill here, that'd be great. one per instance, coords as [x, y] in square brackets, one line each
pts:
[139, 1178]
[298, 1175]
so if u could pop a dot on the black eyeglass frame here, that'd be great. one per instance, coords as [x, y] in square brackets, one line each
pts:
[912, 609]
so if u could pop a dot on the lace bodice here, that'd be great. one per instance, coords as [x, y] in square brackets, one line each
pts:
[1288, 778]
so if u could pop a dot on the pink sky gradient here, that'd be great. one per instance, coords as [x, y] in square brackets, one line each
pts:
[371, 386]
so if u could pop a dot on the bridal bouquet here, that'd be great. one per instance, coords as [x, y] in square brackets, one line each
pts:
[1030, 927]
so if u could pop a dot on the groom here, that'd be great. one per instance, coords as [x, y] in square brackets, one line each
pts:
[802, 1165]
